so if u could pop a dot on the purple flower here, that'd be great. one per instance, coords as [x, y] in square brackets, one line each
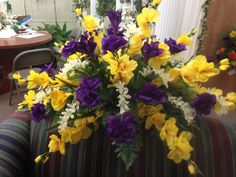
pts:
[70, 48]
[150, 94]
[38, 112]
[48, 68]
[203, 103]
[151, 50]
[113, 43]
[86, 92]
[115, 19]
[210, 59]
[174, 47]
[87, 45]
[121, 129]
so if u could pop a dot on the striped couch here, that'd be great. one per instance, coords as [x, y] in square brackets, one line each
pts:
[22, 140]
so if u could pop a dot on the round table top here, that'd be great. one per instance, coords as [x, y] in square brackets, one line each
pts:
[17, 42]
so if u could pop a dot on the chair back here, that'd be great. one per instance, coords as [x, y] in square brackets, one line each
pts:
[31, 58]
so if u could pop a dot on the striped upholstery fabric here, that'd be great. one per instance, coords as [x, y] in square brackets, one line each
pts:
[215, 154]
[14, 146]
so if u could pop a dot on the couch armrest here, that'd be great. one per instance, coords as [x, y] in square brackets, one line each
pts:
[14, 145]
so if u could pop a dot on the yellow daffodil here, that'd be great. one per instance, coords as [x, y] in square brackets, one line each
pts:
[162, 59]
[157, 119]
[37, 79]
[198, 70]
[185, 39]
[98, 39]
[174, 73]
[89, 23]
[181, 149]
[29, 100]
[232, 34]
[224, 64]
[19, 78]
[56, 144]
[169, 131]
[231, 96]
[78, 11]
[121, 67]
[216, 91]
[75, 56]
[58, 99]
[156, 2]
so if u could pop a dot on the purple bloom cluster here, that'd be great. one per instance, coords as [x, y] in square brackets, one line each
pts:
[203, 103]
[151, 50]
[86, 92]
[210, 59]
[150, 94]
[115, 19]
[121, 129]
[49, 68]
[174, 47]
[38, 112]
[113, 43]
[70, 48]
[87, 45]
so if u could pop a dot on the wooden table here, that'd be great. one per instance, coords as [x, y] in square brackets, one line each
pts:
[9, 48]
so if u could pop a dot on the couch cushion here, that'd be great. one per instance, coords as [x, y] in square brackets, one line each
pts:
[14, 146]
[215, 148]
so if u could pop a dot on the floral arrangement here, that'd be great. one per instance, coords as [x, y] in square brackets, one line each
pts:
[125, 79]
[227, 53]
[4, 20]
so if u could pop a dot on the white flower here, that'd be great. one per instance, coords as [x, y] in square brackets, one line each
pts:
[123, 97]
[178, 59]
[40, 96]
[146, 71]
[69, 113]
[221, 106]
[189, 113]
[165, 77]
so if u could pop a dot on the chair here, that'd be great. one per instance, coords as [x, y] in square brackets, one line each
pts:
[21, 140]
[25, 61]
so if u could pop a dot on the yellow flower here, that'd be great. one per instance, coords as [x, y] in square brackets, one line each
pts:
[135, 45]
[185, 39]
[181, 149]
[78, 11]
[38, 159]
[231, 96]
[169, 131]
[147, 110]
[37, 79]
[75, 56]
[29, 100]
[157, 119]
[56, 144]
[232, 34]
[174, 73]
[156, 2]
[89, 23]
[199, 89]
[148, 15]
[121, 68]
[58, 99]
[198, 70]
[224, 64]
[216, 91]
[162, 59]
[191, 169]
[19, 78]
[98, 39]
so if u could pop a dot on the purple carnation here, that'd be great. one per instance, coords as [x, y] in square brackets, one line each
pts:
[203, 103]
[174, 47]
[87, 45]
[151, 50]
[86, 92]
[150, 94]
[38, 112]
[121, 129]
[113, 43]
[49, 68]
[70, 48]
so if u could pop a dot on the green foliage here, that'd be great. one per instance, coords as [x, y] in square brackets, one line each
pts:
[105, 5]
[9, 7]
[128, 152]
[59, 34]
